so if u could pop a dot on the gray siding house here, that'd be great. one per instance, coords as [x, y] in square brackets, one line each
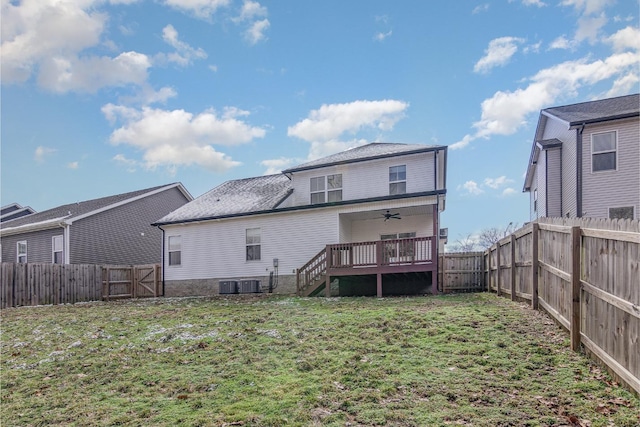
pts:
[109, 230]
[14, 211]
[585, 160]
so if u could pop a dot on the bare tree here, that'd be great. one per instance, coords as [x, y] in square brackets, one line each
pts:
[465, 244]
[490, 236]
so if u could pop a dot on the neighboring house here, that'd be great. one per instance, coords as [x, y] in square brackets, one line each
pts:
[585, 160]
[14, 211]
[365, 220]
[109, 230]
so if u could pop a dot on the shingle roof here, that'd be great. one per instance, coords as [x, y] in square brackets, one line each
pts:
[364, 152]
[71, 210]
[239, 196]
[597, 111]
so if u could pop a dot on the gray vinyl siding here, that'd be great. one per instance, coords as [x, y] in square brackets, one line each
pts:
[38, 245]
[557, 129]
[617, 188]
[554, 182]
[542, 184]
[534, 186]
[123, 235]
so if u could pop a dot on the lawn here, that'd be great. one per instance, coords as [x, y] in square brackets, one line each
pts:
[472, 359]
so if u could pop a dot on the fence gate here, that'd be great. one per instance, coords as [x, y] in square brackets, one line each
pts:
[131, 281]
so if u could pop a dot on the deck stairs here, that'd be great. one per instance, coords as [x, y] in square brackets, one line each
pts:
[312, 276]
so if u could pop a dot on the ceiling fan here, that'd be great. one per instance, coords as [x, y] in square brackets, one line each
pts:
[389, 215]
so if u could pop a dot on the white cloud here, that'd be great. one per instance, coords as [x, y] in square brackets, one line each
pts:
[381, 36]
[498, 53]
[256, 31]
[130, 164]
[506, 111]
[496, 183]
[73, 165]
[471, 187]
[213, 68]
[627, 38]
[589, 28]
[480, 8]
[176, 137]
[276, 165]
[537, 3]
[561, 42]
[332, 120]
[250, 11]
[184, 54]
[42, 152]
[587, 7]
[199, 8]
[509, 192]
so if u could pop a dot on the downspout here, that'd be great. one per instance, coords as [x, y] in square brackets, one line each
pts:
[67, 244]
[162, 258]
[579, 171]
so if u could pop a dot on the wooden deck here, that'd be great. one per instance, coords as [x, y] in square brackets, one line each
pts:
[412, 255]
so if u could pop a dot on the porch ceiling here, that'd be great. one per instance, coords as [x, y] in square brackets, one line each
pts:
[378, 213]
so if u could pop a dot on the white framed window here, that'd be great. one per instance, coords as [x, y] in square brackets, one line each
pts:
[175, 250]
[535, 200]
[57, 252]
[253, 244]
[326, 188]
[623, 212]
[398, 179]
[21, 252]
[604, 151]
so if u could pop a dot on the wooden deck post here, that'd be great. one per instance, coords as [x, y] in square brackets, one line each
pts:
[327, 283]
[534, 265]
[434, 251]
[575, 288]
[513, 267]
[379, 285]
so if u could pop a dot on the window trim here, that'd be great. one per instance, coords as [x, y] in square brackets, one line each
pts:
[325, 191]
[26, 252]
[179, 251]
[397, 181]
[257, 244]
[53, 249]
[615, 150]
[535, 200]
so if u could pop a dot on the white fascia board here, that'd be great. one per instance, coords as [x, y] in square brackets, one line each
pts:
[36, 226]
[126, 201]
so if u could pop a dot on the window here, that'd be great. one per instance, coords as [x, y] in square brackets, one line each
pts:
[175, 250]
[253, 244]
[625, 212]
[326, 189]
[57, 243]
[21, 251]
[535, 200]
[398, 249]
[603, 151]
[397, 180]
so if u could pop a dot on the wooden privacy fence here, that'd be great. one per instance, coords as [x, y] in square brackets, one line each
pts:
[41, 284]
[461, 272]
[586, 274]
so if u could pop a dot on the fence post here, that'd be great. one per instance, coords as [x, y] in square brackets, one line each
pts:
[575, 288]
[513, 267]
[498, 268]
[534, 265]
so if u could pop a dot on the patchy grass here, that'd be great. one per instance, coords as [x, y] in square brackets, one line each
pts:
[471, 359]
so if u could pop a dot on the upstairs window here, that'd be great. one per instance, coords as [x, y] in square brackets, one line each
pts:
[535, 200]
[326, 189]
[253, 244]
[175, 250]
[21, 251]
[57, 249]
[603, 151]
[398, 180]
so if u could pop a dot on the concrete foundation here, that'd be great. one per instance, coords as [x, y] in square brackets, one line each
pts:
[208, 287]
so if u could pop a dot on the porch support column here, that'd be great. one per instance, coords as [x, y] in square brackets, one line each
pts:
[435, 247]
[379, 285]
[327, 283]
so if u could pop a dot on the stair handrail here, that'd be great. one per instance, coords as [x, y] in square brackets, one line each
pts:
[304, 278]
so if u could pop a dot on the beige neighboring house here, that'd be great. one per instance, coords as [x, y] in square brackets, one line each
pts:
[585, 160]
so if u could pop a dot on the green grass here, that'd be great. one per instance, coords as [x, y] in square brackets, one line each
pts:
[471, 359]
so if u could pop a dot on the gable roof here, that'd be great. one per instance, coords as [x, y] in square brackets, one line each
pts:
[597, 111]
[13, 211]
[75, 211]
[374, 150]
[240, 196]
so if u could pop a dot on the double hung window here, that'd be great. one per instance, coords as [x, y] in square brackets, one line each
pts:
[326, 189]
[253, 244]
[175, 250]
[21, 251]
[397, 180]
[603, 151]
[57, 244]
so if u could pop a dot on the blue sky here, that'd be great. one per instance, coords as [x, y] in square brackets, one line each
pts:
[102, 97]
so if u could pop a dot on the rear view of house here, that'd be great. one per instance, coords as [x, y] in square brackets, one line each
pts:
[109, 230]
[363, 221]
[585, 160]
